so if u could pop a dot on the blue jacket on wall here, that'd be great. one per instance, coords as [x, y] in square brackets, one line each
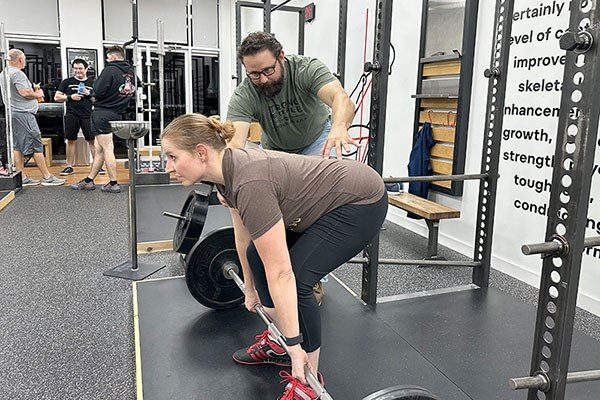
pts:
[418, 164]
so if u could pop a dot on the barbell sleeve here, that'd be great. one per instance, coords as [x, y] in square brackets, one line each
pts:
[230, 270]
[173, 215]
[556, 246]
[542, 383]
[529, 382]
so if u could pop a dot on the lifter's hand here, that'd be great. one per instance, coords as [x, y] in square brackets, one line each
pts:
[299, 361]
[75, 97]
[339, 139]
[252, 299]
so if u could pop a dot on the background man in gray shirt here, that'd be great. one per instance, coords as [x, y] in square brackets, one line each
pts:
[26, 132]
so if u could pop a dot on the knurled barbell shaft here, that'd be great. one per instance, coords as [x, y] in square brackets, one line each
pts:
[173, 215]
[230, 270]
[555, 246]
[540, 382]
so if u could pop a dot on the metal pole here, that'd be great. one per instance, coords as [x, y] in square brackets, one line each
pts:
[4, 47]
[137, 61]
[160, 36]
[554, 247]
[134, 14]
[301, 23]
[267, 16]
[492, 139]
[381, 60]
[435, 178]
[189, 95]
[398, 261]
[238, 41]
[576, 137]
[132, 209]
[176, 216]
[149, 97]
[342, 33]
[541, 382]
[278, 6]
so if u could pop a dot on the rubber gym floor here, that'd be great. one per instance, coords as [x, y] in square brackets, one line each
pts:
[68, 332]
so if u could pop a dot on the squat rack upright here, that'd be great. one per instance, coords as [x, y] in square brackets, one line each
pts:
[565, 238]
[488, 177]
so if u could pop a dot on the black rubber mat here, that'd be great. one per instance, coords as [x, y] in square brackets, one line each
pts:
[151, 201]
[186, 350]
[481, 338]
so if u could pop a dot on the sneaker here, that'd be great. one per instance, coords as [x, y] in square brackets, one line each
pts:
[264, 351]
[108, 188]
[83, 185]
[67, 171]
[318, 292]
[52, 181]
[102, 171]
[27, 181]
[393, 188]
[296, 390]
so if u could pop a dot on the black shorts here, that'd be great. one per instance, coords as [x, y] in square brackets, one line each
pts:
[100, 120]
[72, 125]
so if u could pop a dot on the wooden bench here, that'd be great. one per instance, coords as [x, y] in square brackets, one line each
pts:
[431, 211]
[47, 143]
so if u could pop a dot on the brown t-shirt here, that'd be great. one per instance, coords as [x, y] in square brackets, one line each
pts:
[265, 186]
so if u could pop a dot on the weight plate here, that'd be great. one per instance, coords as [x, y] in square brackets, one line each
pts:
[402, 393]
[204, 271]
[188, 231]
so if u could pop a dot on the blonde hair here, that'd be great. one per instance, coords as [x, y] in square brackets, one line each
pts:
[188, 130]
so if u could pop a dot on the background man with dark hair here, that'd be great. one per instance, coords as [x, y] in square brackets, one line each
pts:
[291, 97]
[113, 90]
[75, 91]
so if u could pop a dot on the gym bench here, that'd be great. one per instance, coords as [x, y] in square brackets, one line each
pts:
[431, 211]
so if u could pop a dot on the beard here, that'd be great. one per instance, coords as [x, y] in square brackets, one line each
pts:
[271, 89]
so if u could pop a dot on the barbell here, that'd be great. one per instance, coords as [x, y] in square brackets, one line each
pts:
[192, 217]
[212, 277]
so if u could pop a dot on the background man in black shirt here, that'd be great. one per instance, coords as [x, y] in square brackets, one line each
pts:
[75, 91]
[113, 90]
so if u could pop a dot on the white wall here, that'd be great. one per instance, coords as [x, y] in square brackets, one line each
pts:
[513, 227]
[227, 53]
[75, 30]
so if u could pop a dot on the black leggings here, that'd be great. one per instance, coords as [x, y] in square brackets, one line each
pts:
[332, 240]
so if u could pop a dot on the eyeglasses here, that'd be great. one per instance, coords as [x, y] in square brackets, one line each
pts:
[266, 72]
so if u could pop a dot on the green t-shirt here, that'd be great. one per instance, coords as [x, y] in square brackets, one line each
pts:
[294, 118]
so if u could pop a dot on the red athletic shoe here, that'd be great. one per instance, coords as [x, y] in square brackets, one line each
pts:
[264, 351]
[296, 390]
